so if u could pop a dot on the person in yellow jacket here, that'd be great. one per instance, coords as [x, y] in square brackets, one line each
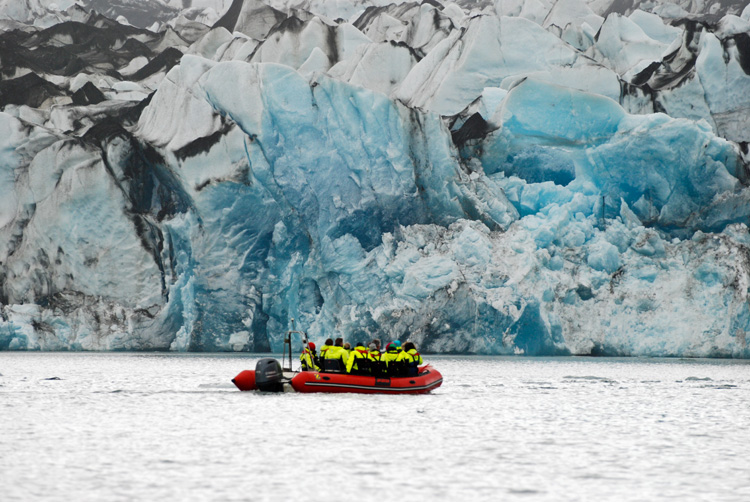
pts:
[390, 357]
[374, 353]
[308, 358]
[359, 353]
[337, 352]
[392, 351]
[326, 345]
[411, 357]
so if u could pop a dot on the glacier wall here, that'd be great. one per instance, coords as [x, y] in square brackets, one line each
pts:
[416, 173]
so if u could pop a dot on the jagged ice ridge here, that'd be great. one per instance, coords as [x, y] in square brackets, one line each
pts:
[502, 179]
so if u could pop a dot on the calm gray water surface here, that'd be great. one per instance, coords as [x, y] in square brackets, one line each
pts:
[130, 426]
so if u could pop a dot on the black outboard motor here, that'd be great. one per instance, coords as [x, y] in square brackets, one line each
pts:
[268, 375]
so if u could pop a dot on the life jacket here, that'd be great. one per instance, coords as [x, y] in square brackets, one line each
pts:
[390, 355]
[411, 357]
[359, 352]
[323, 350]
[307, 358]
[337, 352]
[374, 355]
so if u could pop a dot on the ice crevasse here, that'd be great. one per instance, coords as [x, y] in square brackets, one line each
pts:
[251, 193]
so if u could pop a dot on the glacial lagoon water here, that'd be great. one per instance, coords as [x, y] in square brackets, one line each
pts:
[134, 426]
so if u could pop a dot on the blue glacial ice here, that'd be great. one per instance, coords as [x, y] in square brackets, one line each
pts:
[502, 204]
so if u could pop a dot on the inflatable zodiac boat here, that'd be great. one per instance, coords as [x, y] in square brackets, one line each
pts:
[269, 376]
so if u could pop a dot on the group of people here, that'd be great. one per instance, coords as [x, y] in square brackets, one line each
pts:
[337, 356]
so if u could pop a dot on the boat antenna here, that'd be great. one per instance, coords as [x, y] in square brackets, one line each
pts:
[288, 343]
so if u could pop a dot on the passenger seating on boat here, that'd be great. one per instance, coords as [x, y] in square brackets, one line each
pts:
[333, 366]
[377, 369]
[397, 368]
[364, 367]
